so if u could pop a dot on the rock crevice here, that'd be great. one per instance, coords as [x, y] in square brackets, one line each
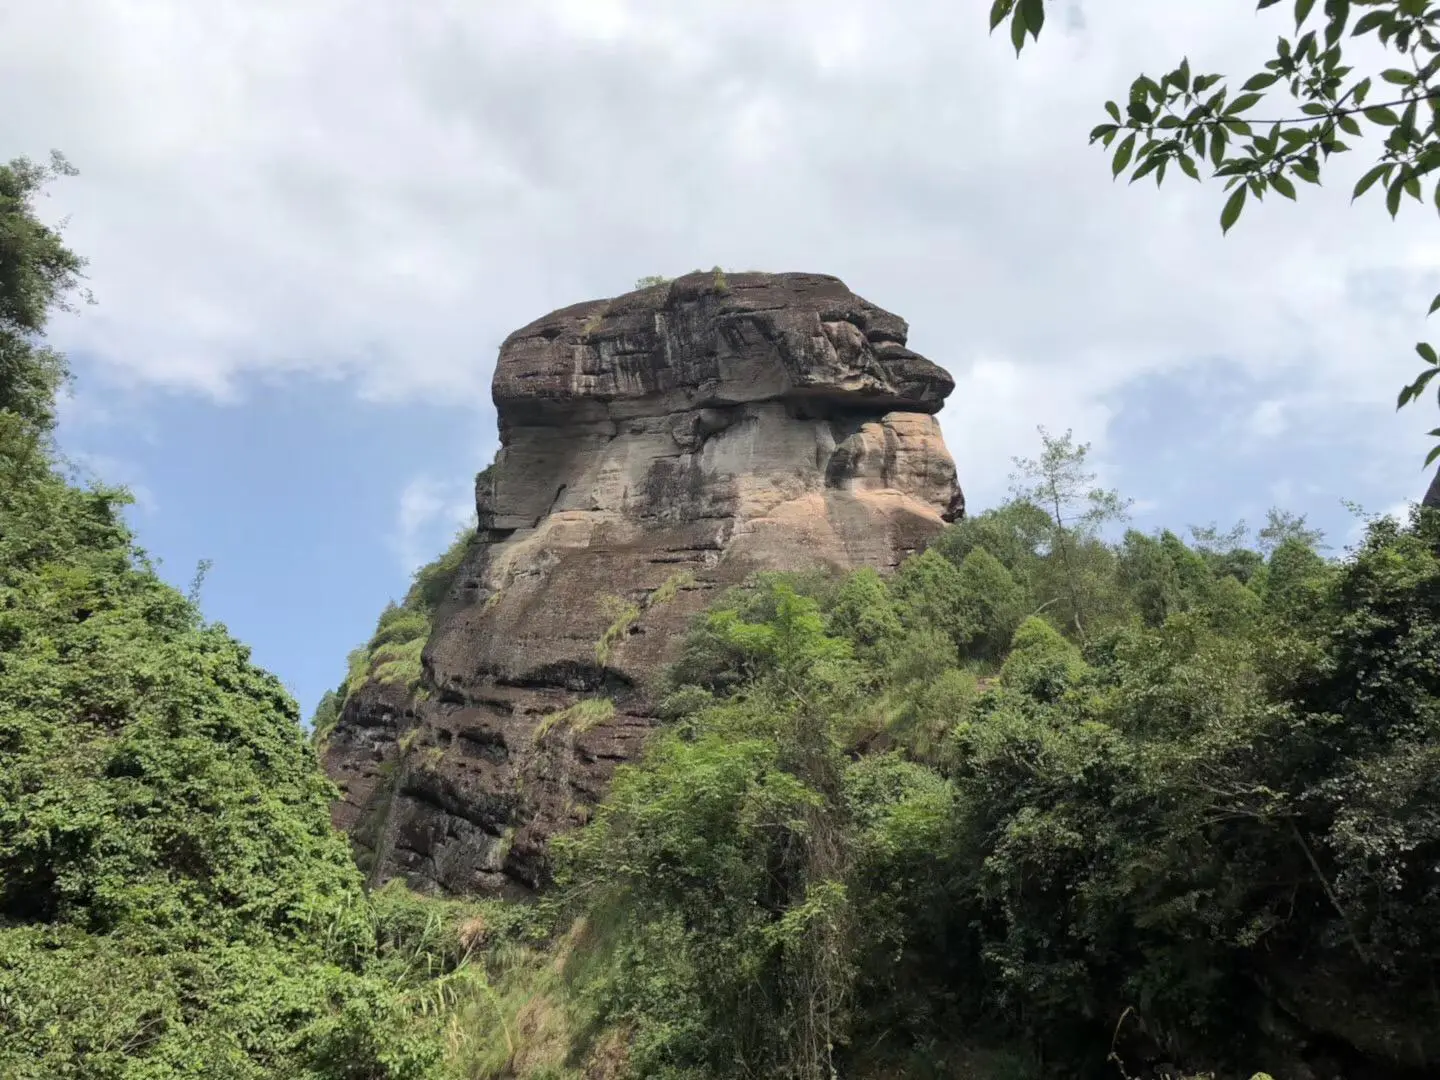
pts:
[656, 448]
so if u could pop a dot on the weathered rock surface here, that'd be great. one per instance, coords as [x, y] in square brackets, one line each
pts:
[656, 448]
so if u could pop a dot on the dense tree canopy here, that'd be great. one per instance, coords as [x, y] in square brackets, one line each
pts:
[875, 838]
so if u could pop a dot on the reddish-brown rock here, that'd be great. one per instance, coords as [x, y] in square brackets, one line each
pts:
[656, 448]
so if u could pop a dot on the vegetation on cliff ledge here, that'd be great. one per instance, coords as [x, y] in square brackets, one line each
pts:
[392, 655]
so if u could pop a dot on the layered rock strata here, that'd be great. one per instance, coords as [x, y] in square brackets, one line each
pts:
[656, 448]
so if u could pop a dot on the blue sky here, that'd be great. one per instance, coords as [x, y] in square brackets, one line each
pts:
[310, 226]
[311, 505]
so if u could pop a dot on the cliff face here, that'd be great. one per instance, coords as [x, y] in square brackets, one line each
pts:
[656, 448]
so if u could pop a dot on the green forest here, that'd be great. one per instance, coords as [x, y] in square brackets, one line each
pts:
[1057, 798]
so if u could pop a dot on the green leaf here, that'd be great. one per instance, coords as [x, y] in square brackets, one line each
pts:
[1302, 11]
[1233, 206]
[1241, 103]
[1407, 121]
[1392, 197]
[1122, 156]
[1187, 166]
[1416, 388]
[1427, 353]
[1034, 12]
[1379, 114]
[1217, 146]
[1182, 74]
[1348, 125]
[1434, 305]
[1101, 130]
[1398, 76]
[1017, 29]
[1367, 181]
[1337, 13]
[1279, 182]
[998, 11]
[1314, 108]
[1361, 89]
[1430, 457]
[1261, 81]
[1370, 21]
[1238, 127]
[1149, 166]
[1114, 111]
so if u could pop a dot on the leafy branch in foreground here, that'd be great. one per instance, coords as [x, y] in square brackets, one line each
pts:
[1194, 120]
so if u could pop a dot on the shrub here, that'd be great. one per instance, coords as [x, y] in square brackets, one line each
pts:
[1042, 664]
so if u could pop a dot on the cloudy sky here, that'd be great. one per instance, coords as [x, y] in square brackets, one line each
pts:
[310, 225]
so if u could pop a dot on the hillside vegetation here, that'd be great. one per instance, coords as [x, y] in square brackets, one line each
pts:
[173, 901]
[894, 823]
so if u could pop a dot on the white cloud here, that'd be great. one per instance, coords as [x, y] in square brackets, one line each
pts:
[383, 191]
[1267, 419]
[428, 514]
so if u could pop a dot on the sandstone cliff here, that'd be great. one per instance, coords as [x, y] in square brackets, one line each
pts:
[656, 448]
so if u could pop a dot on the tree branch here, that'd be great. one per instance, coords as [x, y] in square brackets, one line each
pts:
[1221, 118]
[1329, 892]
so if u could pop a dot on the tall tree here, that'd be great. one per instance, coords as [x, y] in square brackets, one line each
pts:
[1060, 481]
[38, 274]
[1197, 120]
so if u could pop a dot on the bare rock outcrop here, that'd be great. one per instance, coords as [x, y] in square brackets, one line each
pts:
[656, 449]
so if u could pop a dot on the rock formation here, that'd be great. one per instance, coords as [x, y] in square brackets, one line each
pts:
[656, 448]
